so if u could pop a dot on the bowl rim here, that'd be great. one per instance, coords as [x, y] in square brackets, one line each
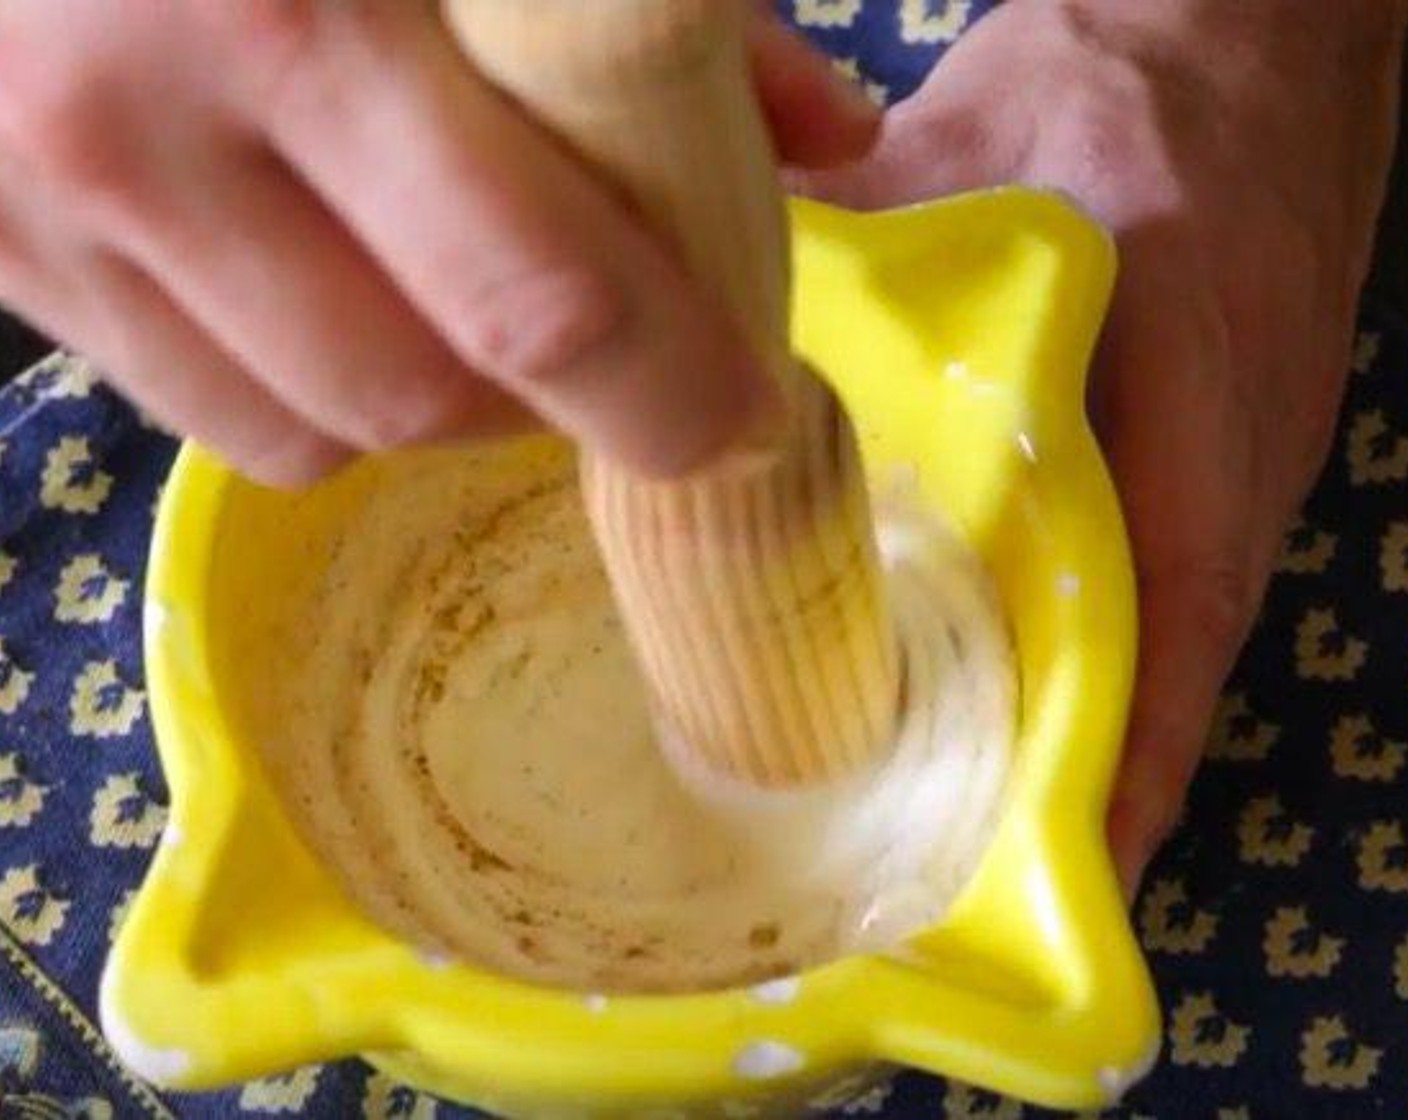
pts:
[1080, 1051]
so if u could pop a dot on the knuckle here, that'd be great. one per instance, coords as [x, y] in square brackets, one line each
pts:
[1111, 154]
[269, 42]
[287, 51]
[69, 131]
[268, 29]
[1222, 600]
[536, 332]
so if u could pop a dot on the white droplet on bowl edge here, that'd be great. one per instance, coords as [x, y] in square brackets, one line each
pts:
[155, 614]
[162, 1067]
[1068, 585]
[437, 960]
[1024, 441]
[172, 836]
[1117, 1082]
[765, 1060]
[596, 1003]
[777, 992]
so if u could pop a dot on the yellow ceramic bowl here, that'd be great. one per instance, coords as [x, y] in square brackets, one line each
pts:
[959, 334]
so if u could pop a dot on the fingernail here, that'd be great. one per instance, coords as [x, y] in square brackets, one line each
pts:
[761, 439]
[297, 464]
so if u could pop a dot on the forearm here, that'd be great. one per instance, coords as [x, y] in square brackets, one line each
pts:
[1381, 21]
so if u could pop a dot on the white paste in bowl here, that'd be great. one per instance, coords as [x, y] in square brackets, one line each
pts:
[460, 731]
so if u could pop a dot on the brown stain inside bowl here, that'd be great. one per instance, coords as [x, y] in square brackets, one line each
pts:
[453, 716]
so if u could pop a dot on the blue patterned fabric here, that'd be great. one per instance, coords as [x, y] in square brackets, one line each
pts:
[1276, 920]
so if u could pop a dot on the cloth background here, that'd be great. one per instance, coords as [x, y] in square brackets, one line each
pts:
[1276, 920]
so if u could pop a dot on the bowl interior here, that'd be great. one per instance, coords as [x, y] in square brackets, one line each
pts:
[959, 335]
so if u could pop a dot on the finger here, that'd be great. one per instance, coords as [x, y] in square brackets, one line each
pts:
[279, 282]
[952, 136]
[1179, 439]
[1194, 622]
[536, 277]
[120, 318]
[53, 273]
[819, 117]
[925, 150]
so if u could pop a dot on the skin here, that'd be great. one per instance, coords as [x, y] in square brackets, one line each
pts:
[300, 229]
[1239, 159]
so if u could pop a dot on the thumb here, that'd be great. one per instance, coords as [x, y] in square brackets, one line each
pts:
[930, 146]
[1203, 517]
[1194, 620]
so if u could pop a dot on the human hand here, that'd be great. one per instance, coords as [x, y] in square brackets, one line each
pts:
[298, 229]
[1239, 157]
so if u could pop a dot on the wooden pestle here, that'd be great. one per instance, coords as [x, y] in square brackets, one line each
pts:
[752, 593]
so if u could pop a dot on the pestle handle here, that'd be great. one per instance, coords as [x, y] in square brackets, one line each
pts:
[753, 597]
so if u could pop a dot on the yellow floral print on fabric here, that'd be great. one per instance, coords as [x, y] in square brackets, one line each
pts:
[964, 1103]
[87, 591]
[1324, 652]
[120, 912]
[15, 682]
[1201, 1036]
[1306, 551]
[19, 1052]
[70, 481]
[1167, 924]
[31, 913]
[933, 21]
[846, 1092]
[1367, 346]
[1268, 837]
[123, 816]
[1376, 453]
[74, 382]
[1393, 557]
[386, 1099]
[1383, 858]
[101, 705]
[285, 1095]
[1400, 969]
[20, 799]
[1238, 735]
[21, 1049]
[1358, 751]
[850, 68]
[869, 1102]
[1331, 1059]
[1294, 948]
[826, 13]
